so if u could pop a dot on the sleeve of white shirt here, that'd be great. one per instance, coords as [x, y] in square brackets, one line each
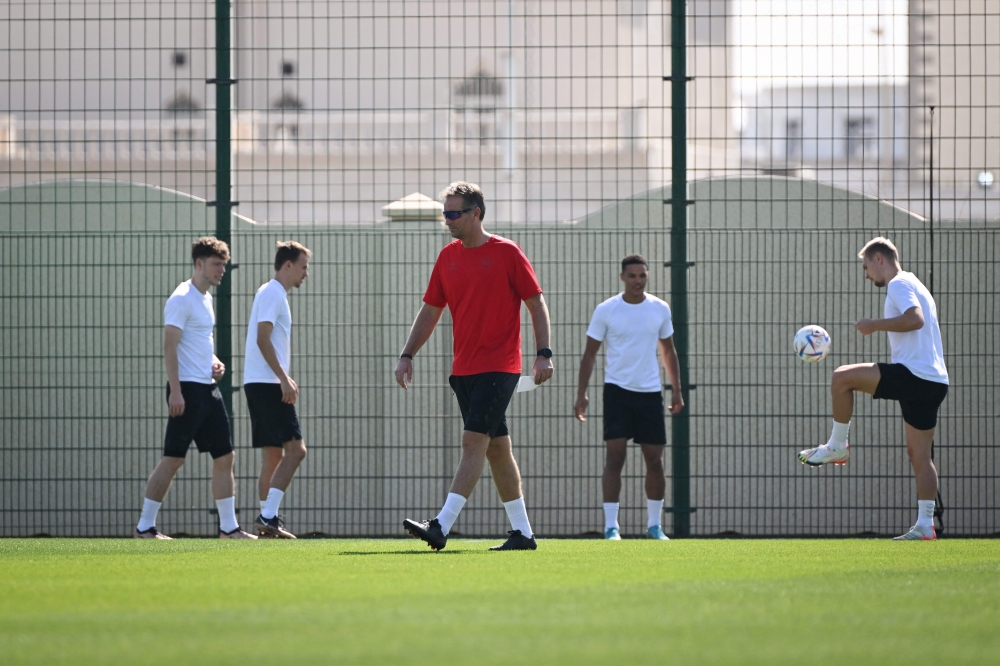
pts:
[667, 327]
[598, 326]
[903, 295]
[175, 312]
[269, 308]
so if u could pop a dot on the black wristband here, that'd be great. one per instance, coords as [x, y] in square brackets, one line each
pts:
[409, 356]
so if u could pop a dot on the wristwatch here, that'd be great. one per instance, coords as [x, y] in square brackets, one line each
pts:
[545, 352]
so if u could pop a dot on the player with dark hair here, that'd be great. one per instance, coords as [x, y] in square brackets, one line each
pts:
[195, 403]
[917, 377]
[483, 279]
[634, 324]
[271, 393]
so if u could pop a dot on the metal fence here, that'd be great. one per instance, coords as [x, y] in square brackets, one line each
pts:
[808, 131]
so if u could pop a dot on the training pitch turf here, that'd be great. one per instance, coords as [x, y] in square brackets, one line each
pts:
[85, 601]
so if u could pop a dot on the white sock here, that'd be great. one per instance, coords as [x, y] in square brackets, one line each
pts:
[925, 513]
[272, 503]
[611, 516]
[518, 516]
[148, 517]
[449, 512]
[263, 505]
[655, 509]
[227, 514]
[838, 438]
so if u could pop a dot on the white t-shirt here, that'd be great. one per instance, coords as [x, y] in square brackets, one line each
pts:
[270, 305]
[191, 311]
[631, 333]
[921, 350]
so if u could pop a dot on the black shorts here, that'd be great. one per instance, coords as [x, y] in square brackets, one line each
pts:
[272, 421]
[634, 415]
[204, 420]
[483, 399]
[919, 399]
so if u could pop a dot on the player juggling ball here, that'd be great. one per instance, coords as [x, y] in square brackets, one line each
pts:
[917, 378]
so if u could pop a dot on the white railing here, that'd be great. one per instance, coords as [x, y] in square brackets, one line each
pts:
[187, 138]
[342, 133]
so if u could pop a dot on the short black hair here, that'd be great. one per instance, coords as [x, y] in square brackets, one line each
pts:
[289, 251]
[471, 194]
[634, 259]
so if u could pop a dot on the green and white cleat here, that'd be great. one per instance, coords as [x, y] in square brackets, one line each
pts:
[918, 533]
[612, 534]
[656, 532]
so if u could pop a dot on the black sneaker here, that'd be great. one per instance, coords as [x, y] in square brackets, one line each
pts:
[428, 530]
[517, 541]
[272, 526]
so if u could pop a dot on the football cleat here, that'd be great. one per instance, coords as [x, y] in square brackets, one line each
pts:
[151, 533]
[612, 534]
[825, 454]
[236, 534]
[656, 532]
[918, 533]
[517, 541]
[272, 526]
[428, 530]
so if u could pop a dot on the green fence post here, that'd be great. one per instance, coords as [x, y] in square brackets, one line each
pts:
[223, 195]
[681, 459]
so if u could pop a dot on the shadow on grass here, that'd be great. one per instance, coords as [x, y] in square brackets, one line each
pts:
[408, 552]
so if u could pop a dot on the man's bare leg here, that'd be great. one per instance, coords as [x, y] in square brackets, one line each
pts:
[507, 479]
[470, 467]
[161, 477]
[282, 463]
[611, 483]
[270, 460]
[918, 446]
[503, 467]
[846, 380]
[156, 489]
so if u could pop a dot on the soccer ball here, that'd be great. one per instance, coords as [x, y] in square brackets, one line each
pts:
[812, 343]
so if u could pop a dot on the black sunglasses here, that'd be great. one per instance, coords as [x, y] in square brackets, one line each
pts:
[455, 214]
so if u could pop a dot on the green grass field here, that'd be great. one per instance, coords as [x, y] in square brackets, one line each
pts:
[393, 601]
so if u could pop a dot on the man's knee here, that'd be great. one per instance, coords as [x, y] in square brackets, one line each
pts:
[841, 380]
[296, 449]
[499, 448]
[654, 464]
[171, 464]
[614, 459]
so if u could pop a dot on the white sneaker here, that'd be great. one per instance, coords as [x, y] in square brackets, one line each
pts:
[824, 454]
[918, 533]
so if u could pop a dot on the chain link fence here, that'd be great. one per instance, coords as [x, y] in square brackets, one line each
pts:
[809, 130]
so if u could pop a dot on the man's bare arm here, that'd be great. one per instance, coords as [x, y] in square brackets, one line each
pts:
[911, 320]
[672, 365]
[289, 389]
[587, 364]
[171, 339]
[423, 325]
[543, 367]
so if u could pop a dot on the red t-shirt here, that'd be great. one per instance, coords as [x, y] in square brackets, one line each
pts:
[483, 287]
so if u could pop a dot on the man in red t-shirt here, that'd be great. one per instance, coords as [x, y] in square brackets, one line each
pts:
[483, 279]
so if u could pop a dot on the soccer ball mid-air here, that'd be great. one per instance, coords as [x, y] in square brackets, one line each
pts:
[812, 343]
